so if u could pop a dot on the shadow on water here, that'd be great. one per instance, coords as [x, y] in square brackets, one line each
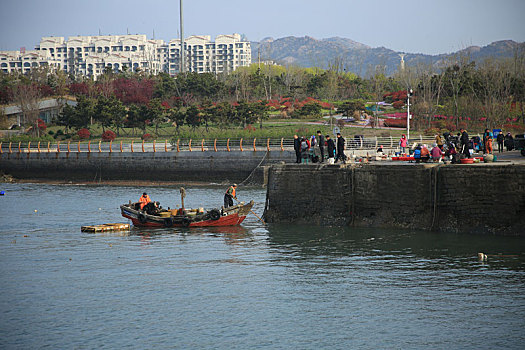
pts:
[439, 249]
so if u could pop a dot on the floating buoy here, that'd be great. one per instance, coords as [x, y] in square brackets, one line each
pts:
[36, 210]
[482, 257]
[2, 193]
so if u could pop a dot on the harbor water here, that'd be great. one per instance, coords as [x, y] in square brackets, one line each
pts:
[250, 287]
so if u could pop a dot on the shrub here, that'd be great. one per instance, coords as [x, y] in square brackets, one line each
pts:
[147, 137]
[83, 134]
[108, 135]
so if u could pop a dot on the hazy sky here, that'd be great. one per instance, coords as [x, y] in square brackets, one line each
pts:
[426, 26]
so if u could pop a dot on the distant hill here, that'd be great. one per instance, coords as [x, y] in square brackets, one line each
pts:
[357, 57]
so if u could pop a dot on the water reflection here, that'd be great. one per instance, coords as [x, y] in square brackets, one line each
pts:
[435, 250]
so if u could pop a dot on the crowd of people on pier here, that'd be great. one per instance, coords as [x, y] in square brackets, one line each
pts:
[447, 148]
[453, 148]
[315, 149]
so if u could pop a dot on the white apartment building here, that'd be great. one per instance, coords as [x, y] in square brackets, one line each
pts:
[25, 61]
[91, 55]
[225, 54]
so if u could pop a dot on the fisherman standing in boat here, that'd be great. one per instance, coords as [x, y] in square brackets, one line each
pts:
[229, 195]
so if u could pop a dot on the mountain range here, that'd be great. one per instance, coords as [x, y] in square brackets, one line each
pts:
[357, 57]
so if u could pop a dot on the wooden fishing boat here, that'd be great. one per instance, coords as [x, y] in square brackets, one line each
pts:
[231, 216]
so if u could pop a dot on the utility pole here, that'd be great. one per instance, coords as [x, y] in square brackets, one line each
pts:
[409, 93]
[182, 50]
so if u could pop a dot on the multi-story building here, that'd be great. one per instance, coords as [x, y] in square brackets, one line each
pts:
[25, 61]
[91, 55]
[225, 54]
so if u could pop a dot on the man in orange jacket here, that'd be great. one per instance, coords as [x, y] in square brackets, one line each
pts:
[144, 200]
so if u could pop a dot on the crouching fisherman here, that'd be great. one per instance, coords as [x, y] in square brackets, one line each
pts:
[229, 195]
[143, 200]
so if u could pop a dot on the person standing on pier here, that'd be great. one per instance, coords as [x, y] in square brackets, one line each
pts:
[500, 138]
[229, 196]
[465, 143]
[331, 149]
[297, 148]
[340, 148]
[320, 138]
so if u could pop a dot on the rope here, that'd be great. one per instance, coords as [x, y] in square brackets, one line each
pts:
[435, 170]
[253, 171]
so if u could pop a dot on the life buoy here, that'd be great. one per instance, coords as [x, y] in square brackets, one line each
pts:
[215, 214]
[168, 222]
[186, 222]
[142, 218]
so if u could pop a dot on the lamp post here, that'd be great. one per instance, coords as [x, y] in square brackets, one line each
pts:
[409, 93]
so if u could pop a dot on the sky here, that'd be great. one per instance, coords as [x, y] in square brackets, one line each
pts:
[418, 26]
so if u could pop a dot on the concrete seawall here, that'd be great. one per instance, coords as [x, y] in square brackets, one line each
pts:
[207, 166]
[488, 198]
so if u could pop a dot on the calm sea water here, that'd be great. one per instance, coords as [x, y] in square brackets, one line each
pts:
[255, 286]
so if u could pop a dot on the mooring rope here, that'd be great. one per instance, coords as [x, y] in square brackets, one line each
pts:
[253, 171]
[435, 170]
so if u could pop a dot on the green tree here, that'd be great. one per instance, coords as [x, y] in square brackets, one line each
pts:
[193, 117]
[109, 112]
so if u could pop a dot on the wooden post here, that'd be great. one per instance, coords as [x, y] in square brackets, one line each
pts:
[178, 149]
[78, 147]
[142, 146]
[240, 145]
[89, 146]
[19, 149]
[58, 146]
[202, 145]
[282, 139]
[268, 145]
[68, 146]
[2, 151]
[154, 145]
[215, 145]
[99, 148]
[10, 151]
[228, 145]
[131, 146]
[254, 149]
[38, 146]
[182, 195]
[165, 145]
[48, 144]
[189, 145]
[120, 146]
[29, 147]
[110, 143]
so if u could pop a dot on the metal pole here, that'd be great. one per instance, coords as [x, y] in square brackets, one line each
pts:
[408, 116]
[409, 93]
[182, 49]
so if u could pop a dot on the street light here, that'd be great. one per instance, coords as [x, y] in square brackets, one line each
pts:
[410, 92]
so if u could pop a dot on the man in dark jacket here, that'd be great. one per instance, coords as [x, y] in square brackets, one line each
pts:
[320, 137]
[465, 143]
[500, 140]
[330, 145]
[297, 148]
[340, 148]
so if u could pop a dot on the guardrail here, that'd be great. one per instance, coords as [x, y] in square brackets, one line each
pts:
[194, 145]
